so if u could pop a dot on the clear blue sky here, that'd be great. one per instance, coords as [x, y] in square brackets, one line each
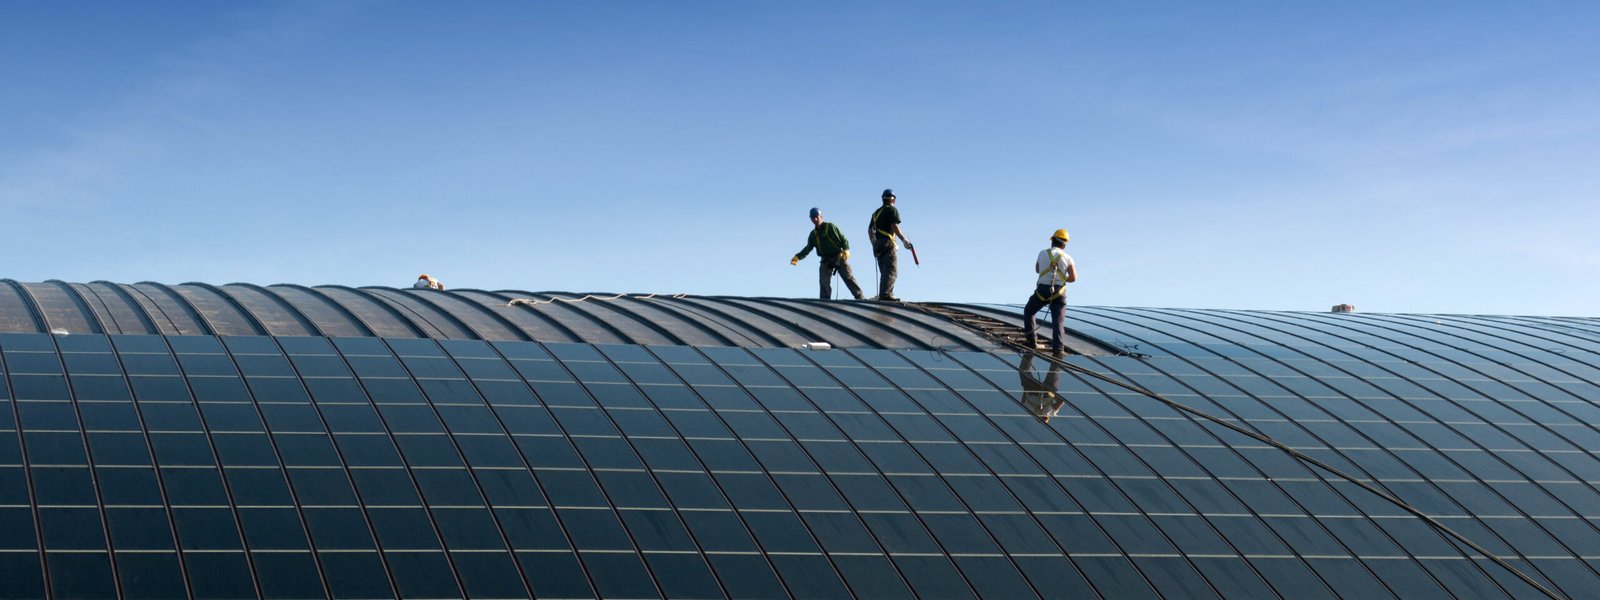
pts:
[1402, 157]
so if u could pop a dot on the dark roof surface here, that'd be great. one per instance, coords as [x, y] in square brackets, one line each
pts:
[465, 314]
[217, 461]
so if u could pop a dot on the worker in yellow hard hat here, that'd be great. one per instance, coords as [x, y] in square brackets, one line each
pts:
[424, 282]
[834, 252]
[1056, 270]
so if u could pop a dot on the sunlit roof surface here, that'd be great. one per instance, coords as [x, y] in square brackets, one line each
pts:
[288, 442]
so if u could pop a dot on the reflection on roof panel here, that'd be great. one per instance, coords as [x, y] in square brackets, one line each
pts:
[294, 442]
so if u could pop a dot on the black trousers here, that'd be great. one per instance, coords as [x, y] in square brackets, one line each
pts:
[1058, 307]
[830, 264]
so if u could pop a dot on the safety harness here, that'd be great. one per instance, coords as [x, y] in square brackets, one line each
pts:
[887, 234]
[838, 236]
[1057, 269]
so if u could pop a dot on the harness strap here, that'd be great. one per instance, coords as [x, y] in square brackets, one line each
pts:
[816, 240]
[1055, 268]
[887, 234]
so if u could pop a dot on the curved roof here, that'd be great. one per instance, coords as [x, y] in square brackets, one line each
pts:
[466, 314]
[296, 442]
[650, 319]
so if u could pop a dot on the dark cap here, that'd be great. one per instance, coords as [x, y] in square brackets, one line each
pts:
[888, 193]
[815, 212]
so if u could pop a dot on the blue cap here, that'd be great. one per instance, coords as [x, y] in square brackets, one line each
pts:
[888, 193]
[815, 212]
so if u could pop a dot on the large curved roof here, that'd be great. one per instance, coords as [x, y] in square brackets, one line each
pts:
[239, 441]
[467, 314]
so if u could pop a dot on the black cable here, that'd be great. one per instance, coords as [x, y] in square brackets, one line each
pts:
[1309, 460]
[877, 275]
[1301, 456]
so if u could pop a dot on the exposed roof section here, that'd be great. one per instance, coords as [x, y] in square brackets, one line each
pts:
[464, 314]
[648, 319]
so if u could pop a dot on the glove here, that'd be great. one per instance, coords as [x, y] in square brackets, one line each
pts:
[794, 261]
[844, 255]
[908, 245]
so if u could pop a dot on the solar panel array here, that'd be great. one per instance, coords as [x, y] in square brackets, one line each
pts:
[244, 466]
[105, 308]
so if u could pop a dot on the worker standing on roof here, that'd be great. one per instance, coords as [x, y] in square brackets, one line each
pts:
[883, 229]
[424, 282]
[834, 252]
[1056, 270]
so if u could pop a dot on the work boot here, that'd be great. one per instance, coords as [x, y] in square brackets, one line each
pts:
[1031, 342]
[1057, 350]
[860, 297]
[888, 299]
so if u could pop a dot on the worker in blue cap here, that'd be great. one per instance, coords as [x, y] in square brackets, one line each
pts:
[884, 227]
[834, 252]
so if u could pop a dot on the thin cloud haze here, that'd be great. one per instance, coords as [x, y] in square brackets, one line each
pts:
[1399, 158]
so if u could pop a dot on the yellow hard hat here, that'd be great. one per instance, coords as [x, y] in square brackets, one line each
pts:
[1060, 234]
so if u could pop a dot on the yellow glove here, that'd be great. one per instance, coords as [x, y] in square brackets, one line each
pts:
[794, 261]
[844, 255]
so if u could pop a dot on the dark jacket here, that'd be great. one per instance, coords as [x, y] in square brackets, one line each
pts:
[827, 239]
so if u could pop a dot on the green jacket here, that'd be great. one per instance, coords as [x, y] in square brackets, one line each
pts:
[828, 241]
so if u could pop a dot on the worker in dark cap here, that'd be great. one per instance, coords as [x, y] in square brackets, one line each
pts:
[883, 228]
[834, 252]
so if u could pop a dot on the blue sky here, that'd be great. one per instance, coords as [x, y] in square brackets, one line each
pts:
[1402, 157]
